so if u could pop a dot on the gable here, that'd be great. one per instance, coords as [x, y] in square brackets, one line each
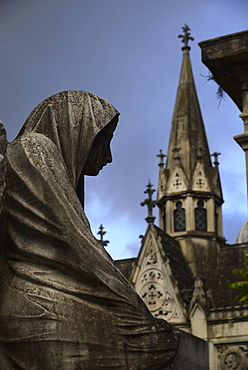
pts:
[153, 282]
[199, 179]
[177, 181]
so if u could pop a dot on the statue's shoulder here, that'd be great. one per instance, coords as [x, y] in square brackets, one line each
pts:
[3, 145]
[32, 149]
[29, 145]
[30, 139]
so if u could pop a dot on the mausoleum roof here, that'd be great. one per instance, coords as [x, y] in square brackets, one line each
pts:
[242, 236]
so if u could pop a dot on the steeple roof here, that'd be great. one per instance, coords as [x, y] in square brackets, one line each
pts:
[188, 143]
[189, 188]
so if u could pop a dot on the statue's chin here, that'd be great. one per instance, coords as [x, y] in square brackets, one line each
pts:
[93, 173]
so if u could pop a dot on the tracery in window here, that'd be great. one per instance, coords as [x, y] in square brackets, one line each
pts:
[179, 217]
[200, 217]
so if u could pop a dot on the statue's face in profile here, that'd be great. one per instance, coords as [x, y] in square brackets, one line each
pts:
[100, 153]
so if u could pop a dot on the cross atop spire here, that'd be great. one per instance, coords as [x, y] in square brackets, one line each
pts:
[186, 37]
[161, 158]
[215, 155]
[101, 233]
[149, 202]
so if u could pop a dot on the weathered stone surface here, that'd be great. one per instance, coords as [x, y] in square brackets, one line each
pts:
[64, 304]
[193, 353]
[3, 144]
[227, 59]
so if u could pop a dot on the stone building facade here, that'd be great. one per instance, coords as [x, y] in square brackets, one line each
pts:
[184, 264]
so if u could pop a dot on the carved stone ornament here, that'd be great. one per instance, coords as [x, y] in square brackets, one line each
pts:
[153, 292]
[233, 358]
[64, 304]
[199, 295]
[151, 258]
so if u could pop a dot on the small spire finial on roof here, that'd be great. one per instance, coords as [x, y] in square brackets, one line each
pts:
[149, 202]
[200, 296]
[186, 37]
[215, 155]
[101, 233]
[161, 158]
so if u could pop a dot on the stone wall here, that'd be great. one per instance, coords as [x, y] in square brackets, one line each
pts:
[193, 353]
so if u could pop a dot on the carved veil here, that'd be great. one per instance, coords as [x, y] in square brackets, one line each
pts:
[64, 304]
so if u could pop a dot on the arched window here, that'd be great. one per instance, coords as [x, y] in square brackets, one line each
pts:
[200, 217]
[179, 218]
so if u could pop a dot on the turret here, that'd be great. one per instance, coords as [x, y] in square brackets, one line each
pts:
[189, 188]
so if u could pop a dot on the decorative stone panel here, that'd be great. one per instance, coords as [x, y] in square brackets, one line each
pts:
[153, 283]
[152, 290]
[200, 182]
[233, 357]
[177, 181]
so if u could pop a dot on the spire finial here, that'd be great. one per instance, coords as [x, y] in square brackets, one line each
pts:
[101, 233]
[161, 158]
[215, 155]
[149, 202]
[186, 37]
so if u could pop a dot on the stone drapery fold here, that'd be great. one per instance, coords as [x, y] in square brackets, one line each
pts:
[64, 304]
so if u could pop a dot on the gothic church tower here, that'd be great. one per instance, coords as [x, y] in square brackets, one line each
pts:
[189, 193]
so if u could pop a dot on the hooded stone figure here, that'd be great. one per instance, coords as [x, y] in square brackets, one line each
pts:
[64, 304]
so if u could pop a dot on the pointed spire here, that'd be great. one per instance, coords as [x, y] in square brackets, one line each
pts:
[199, 295]
[187, 130]
[149, 202]
[189, 171]
[101, 233]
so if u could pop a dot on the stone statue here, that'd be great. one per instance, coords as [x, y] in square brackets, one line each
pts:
[64, 304]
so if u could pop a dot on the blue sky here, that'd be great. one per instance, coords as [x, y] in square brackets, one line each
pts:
[129, 53]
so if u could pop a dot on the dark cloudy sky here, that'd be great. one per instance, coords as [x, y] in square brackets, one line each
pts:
[128, 52]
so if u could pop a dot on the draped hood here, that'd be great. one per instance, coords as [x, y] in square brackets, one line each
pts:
[71, 119]
[64, 304]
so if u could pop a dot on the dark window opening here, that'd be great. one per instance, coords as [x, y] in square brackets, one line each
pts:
[200, 217]
[179, 218]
